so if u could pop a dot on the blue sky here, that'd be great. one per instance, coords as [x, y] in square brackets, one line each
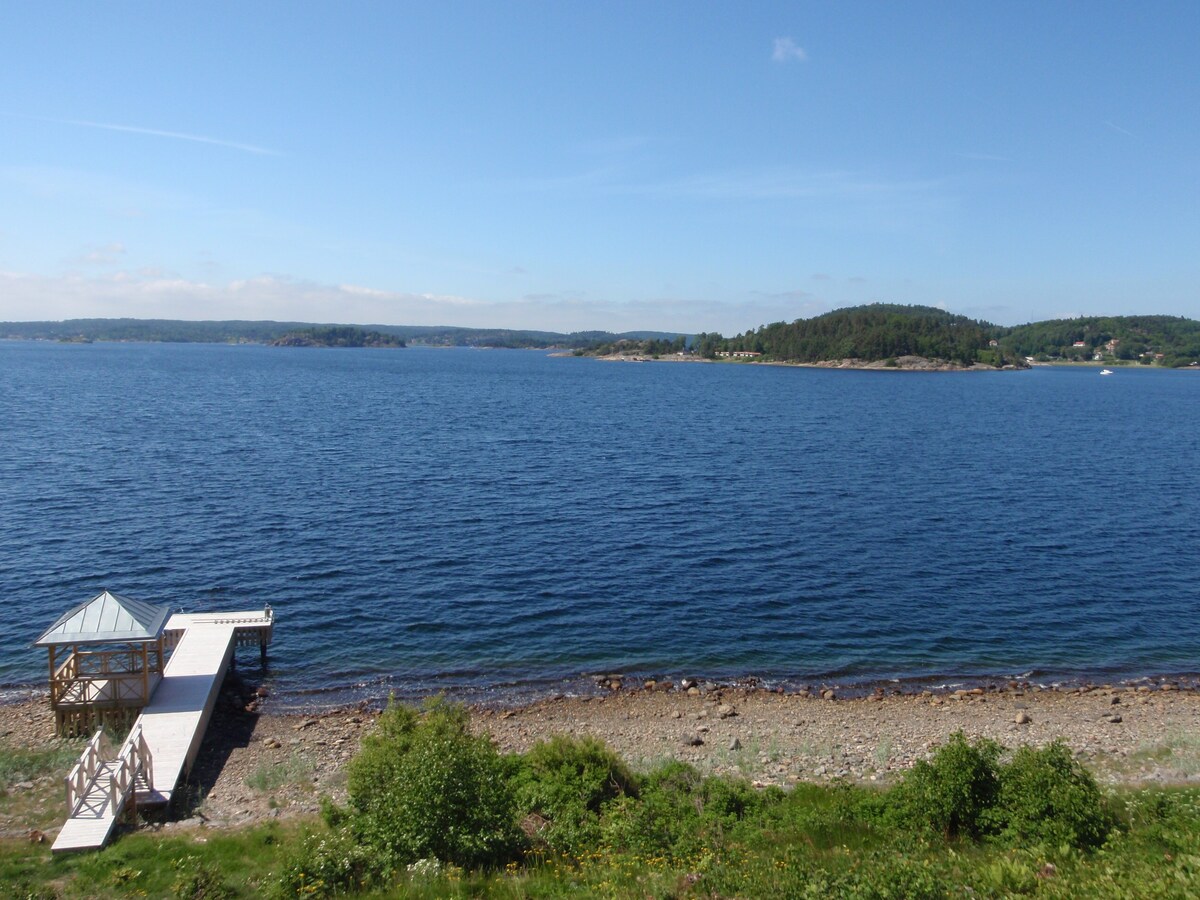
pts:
[673, 166]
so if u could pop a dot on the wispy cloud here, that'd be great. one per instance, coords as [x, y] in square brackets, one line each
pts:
[783, 183]
[104, 255]
[795, 294]
[785, 51]
[984, 157]
[156, 132]
[1115, 127]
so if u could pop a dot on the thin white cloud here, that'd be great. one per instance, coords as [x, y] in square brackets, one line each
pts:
[983, 157]
[158, 132]
[785, 51]
[103, 255]
[784, 183]
[1115, 127]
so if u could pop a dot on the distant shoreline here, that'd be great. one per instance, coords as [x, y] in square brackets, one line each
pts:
[902, 364]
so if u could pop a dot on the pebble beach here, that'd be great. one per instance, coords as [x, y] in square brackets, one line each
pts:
[257, 765]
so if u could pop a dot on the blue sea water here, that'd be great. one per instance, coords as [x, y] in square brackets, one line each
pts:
[505, 521]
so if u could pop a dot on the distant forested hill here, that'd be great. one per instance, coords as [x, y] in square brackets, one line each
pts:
[232, 332]
[879, 331]
[152, 330]
[337, 336]
[1165, 340]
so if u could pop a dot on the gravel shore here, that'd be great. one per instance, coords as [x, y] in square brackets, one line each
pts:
[256, 766]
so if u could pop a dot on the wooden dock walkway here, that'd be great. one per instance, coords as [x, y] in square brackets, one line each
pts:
[166, 737]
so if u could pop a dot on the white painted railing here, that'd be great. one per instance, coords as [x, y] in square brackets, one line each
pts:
[134, 761]
[84, 772]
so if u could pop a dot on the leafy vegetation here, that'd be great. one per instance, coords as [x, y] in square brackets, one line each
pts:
[424, 786]
[433, 812]
[1162, 340]
[625, 346]
[874, 332]
[336, 336]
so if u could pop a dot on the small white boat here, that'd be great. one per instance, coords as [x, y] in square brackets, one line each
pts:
[1106, 371]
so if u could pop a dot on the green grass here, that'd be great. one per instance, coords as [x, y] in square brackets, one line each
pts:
[270, 777]
[19, 764]
[819, 842]
[242, 862]
[670, 833]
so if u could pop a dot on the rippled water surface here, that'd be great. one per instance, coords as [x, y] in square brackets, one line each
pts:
[508, 521]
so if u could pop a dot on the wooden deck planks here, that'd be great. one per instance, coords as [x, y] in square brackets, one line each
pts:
[173, 723]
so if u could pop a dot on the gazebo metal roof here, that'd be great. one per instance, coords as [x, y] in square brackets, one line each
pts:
[105, 618]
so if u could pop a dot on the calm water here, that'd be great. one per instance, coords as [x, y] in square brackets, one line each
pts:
[505, 521]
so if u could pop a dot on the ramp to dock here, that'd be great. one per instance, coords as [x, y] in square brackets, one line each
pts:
[170, 728]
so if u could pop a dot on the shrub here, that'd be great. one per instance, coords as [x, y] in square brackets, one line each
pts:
[326, 865]
[567, 782]
[956, 791]
[1047, 797]
[678, 813]
[198, 880]
[424, 786]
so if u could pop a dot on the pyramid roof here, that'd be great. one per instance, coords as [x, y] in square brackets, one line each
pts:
[107, 617]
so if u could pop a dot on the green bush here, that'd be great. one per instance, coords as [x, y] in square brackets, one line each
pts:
[1047, 797]
[955, 793]
[677, 813]
[567, 782]
[423, 786]
[326, 865]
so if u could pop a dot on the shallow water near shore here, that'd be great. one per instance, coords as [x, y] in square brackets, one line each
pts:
[506, 523]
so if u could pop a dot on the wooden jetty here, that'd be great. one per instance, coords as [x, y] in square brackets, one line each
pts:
[165, 738]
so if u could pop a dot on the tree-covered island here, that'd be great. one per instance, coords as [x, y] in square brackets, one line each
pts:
[884, 335]
[897, 336]
[337, 336]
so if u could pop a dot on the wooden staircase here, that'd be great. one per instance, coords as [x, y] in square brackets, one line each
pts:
[101, 787]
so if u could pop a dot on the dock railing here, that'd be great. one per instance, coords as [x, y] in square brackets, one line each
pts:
[84, 772]
[134, 764]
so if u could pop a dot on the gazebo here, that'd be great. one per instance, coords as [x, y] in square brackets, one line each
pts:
[114, 658]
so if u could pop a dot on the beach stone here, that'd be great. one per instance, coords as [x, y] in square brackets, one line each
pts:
[725, 711]
[693, 691]
[1023, 718]
[1114, 719]
[693, 741]
[829, 694]
[1114, 700]
[735, 744]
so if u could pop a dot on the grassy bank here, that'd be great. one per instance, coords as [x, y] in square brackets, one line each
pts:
[818, 843]
[435, 811]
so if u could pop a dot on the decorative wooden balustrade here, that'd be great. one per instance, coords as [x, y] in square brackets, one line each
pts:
[83, 775]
